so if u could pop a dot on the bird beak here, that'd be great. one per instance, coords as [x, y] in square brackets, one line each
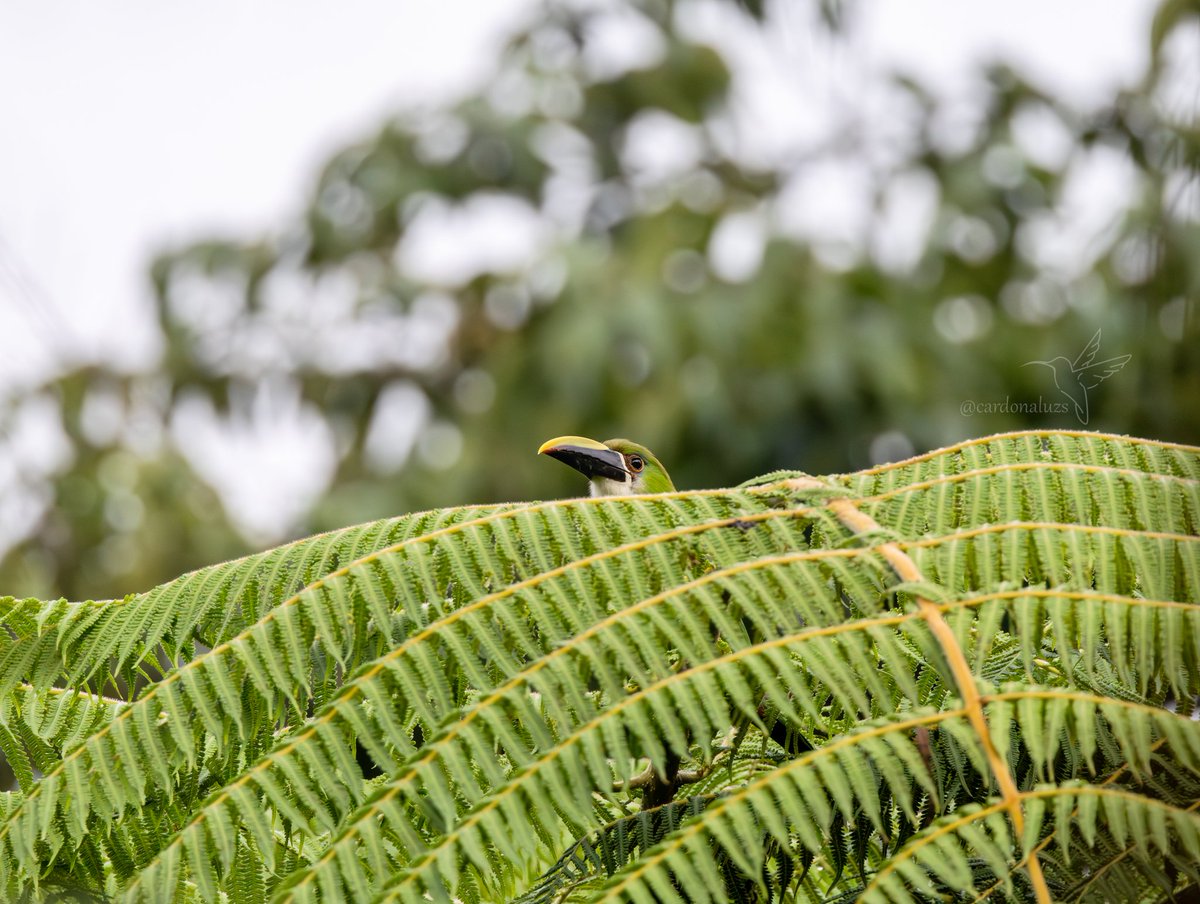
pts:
[588, 457]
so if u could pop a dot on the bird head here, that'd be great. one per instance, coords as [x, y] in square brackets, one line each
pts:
[617, 467]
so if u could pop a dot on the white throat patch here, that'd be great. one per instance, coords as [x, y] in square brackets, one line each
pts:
[604, 486]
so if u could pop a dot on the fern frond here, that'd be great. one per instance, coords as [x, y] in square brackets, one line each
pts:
[839, 668]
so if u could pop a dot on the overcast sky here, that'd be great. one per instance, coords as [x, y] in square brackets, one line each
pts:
[130, 125]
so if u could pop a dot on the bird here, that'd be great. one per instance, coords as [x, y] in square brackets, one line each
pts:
[615, 467]
[1082, 374]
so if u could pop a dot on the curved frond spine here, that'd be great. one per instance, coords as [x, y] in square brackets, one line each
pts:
[429, 672]
[679, 851]
[1095, 809]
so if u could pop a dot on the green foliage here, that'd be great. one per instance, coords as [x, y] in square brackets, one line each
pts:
[965, 674]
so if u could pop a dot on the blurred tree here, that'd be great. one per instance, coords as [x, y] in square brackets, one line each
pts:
[598, 244]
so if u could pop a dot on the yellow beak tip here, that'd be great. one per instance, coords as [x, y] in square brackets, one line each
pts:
[580, 441]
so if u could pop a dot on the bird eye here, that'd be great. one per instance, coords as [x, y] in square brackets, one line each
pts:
[635, 462]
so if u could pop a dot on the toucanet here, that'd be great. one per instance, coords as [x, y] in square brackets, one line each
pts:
[616, 467]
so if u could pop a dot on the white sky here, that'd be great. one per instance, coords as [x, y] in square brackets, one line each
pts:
[125, 126]
[136, 124]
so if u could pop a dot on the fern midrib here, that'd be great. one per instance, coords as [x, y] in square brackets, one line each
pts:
[434, 628]
[1031, 434]
[1045, 842]
[1072, 790]
[397, 783]
[580, 732]
[1098, 874]
[293, 600]
[328, 579]
[906, 569]
[353, 687]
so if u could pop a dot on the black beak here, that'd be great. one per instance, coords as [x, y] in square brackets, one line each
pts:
[590, 462]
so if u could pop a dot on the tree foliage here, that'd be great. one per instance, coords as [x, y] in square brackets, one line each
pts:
[629, 315]
[961, 676]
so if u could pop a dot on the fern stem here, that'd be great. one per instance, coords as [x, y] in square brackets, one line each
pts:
[1031, 434]
[861, 523]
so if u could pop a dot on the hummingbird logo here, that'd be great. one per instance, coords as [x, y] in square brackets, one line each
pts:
[1075, 378]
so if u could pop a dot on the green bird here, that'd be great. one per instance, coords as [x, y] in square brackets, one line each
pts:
[616, 467]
